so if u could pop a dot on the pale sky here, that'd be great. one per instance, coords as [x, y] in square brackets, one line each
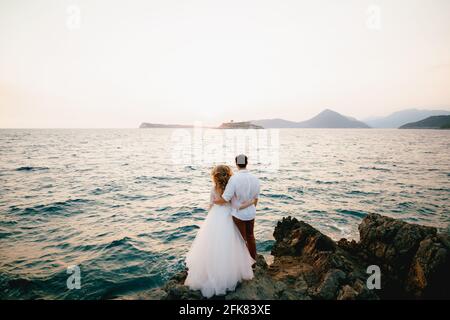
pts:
[180, 61]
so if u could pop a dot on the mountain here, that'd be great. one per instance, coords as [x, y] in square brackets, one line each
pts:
[146, 125]
[399, 118]
[434, 122]
[325, 119]
[331, 119]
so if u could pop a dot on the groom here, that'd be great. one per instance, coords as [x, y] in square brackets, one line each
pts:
[243, 186]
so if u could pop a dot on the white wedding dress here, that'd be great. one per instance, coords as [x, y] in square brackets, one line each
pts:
[218, 258]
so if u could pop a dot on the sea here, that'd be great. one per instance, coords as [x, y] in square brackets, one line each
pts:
[122, 206]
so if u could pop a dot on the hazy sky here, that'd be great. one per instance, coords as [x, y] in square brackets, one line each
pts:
[119, 63]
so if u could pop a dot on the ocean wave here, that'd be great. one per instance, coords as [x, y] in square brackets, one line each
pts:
[187, 228]
[125, 241]
[105, 283]
[266, 179]
[362, 193]
[299, 190]
[54, 207]
[264, 246]
[132, 197]
[318, 212]
[6, 234]
[141, 179]
[162, 209]
[27, 168]
[279, 196]
[439, 189]
[23, 287]
[180, 211]
[179, 215]
[326, 182]
[7, 222]
[133, 284]
[375, 168]
[88, 247]
[406, 204]
[106, 189]
[426, 211]
[180, 232]
[355, 213]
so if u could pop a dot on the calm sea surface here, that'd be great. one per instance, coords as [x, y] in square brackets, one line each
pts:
[113, 202]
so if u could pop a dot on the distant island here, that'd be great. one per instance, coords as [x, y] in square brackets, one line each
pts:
[326, 119]
[225, 125]
[331, 119]
[402, 117]
[434, 122]
[239, 125]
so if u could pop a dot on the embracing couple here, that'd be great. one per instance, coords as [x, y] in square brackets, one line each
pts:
[224, 250]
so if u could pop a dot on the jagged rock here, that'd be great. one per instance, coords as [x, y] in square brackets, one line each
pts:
[331, 282]
[176, 290]
[326, 266]
[414, 262]
[391, 241]
[261, 287]
[295, 237]
[429, 271]
[347, 293]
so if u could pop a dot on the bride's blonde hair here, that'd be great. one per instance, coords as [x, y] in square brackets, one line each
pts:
[220, 175]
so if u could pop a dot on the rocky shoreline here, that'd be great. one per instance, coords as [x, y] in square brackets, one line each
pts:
[414, 262]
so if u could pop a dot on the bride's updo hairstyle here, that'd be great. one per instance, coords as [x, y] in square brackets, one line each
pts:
[220, 175]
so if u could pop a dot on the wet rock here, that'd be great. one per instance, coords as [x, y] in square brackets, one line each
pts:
[347, 293]
[295, 238]
[178, 291]
[428, 275]
[413, 258]
[328, 288]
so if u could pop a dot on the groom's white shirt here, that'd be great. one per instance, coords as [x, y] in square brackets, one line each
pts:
[241, 187]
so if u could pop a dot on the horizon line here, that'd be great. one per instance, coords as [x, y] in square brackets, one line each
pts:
[215, 126]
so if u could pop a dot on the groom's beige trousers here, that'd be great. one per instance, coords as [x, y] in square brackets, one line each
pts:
[246, 230]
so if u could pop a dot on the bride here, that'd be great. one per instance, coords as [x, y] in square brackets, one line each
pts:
[218, 258]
